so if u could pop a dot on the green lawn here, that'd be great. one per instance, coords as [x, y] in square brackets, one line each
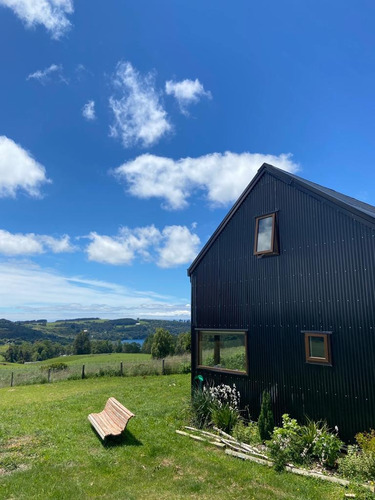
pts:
[49, 450]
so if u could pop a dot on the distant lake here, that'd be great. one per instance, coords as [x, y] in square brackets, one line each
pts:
[129, 341]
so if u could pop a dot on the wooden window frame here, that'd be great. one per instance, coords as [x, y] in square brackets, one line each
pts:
[218, 333]
[327, 360]
[274, 248]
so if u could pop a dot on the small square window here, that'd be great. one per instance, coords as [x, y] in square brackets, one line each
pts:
[318, 347]
[265, 235]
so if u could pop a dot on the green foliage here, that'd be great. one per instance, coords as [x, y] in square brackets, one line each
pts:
[247, 432]
[217, 405]
[327, 448]
[366, 440]
[201, 407]
[82, 344]
[359, 463]
[38, 351]
[147, 344]
[55, 367]
[303, 444]
[266, 421]
[183, 343]
[162, 344]
[236, 361]
[224, 416]
[131, 347]
[98, 346]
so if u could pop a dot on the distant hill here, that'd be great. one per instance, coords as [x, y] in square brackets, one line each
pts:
[16, 332]
[65, 330]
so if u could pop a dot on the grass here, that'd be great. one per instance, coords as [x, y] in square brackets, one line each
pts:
[95, 365]
[49, 450]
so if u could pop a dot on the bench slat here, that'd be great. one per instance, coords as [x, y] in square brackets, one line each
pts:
[112, 420]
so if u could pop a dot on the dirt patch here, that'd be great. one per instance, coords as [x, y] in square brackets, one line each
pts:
[18, 468]
[17, 443]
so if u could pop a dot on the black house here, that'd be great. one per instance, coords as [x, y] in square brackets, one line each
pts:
[283, 299]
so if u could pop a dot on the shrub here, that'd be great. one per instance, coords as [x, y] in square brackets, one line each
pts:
[286, 443]
[366, 440]
[224, 417]
[359, 463]
[224, 394]
[247, 432]
[326, 448]
[55, 367]
[215, 404]
[224, 411]
[266, 421]
[201, 407]
[302, 444]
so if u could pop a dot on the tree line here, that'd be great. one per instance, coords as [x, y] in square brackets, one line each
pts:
[159, 344]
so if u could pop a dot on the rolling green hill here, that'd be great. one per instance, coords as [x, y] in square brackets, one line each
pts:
[64, 331]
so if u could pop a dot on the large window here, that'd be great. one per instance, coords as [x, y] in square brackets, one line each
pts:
[265, 235]
[318, 347]
[223, 350]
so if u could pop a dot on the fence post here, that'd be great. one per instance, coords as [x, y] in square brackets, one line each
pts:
[163, 367]
[121, 369]
[83, 371]
[11, 380]
[49, 375]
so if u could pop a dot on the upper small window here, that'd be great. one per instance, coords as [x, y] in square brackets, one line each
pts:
[265, 235]
[318, 347]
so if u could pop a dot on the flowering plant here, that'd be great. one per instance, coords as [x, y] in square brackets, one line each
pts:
[225, 402]
[225, 395]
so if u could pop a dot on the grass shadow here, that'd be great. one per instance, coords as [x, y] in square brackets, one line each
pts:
[125, 439]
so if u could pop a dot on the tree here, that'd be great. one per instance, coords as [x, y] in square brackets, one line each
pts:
[265, 421]
[82, 344]
[147, 344]
[163, 344]
[183, 343]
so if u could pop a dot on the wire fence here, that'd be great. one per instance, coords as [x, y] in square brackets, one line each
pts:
[44, 374]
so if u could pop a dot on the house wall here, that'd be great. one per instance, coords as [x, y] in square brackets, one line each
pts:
[323, 279]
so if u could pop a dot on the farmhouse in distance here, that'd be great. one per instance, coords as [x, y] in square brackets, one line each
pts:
[283, 299]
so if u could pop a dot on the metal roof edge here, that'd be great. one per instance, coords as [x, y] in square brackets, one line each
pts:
[227, 218]
[288, 178]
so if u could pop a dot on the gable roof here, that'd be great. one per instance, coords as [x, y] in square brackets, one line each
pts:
[356, 207]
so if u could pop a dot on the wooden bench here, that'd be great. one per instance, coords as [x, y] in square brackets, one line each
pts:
[112, 420]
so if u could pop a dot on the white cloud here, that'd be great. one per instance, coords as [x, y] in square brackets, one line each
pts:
[139, 117]
[45, 76]
[179, 248]
[52, 14]
[19, 170]
[186, 92]
[29, 292]
[32, 244]
[222, 176]
[88, 110]
[173, 246]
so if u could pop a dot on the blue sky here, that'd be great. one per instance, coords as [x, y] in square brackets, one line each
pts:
[128, 129]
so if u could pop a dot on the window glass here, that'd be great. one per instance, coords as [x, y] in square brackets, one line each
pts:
[223, 350]
[264, 241]
[317, 348]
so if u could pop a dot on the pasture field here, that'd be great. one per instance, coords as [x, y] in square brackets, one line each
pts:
[95, 365]
[49, 450]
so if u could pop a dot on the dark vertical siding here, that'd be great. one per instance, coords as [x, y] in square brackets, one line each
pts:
[323, 279]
